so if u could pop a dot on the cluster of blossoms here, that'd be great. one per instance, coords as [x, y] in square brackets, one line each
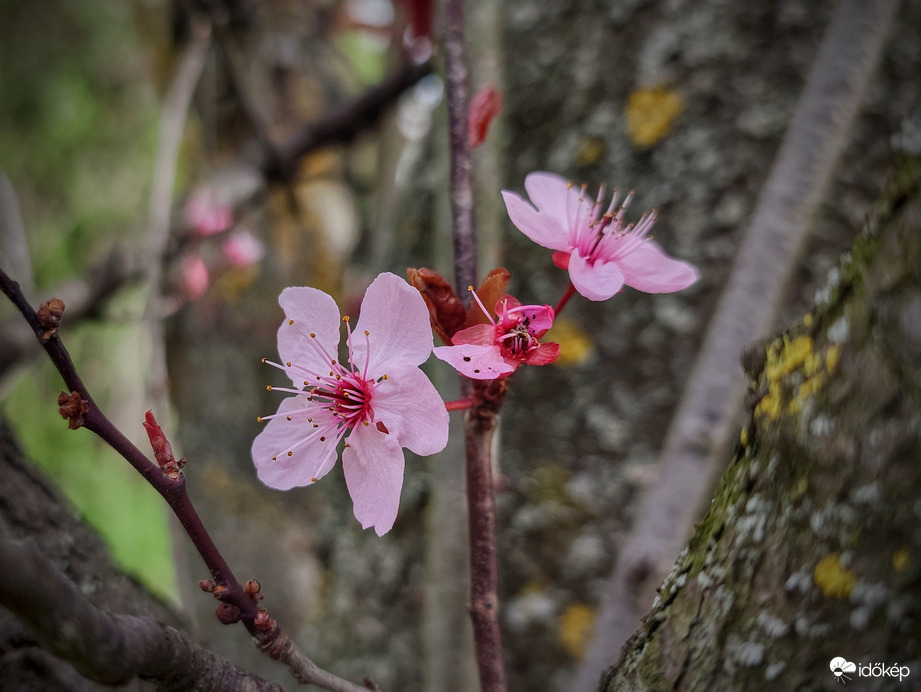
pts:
[379, 401]
[207, 216]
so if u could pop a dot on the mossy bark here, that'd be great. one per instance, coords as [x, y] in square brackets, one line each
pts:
[811, 548]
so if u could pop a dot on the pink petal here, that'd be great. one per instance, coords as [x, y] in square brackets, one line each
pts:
[482, 334]
[400, 333]
[599, 281]
[554, 197]
[413, 412]
[313, 312]
[544, 354]
[540, 318]
[475, 362]
[373, 466]
[308, 462]
[542, 230]
[648, 268]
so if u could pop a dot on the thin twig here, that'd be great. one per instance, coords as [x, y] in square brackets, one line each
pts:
[700, 433]
[341, 125]
[465, 256]
[173, 489]
[480, 420]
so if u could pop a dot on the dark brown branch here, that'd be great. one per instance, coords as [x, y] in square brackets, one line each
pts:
[465, 255]
[341, 125]
[108, 648]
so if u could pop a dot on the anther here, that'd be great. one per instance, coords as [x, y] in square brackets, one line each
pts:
[268, 388]
[264, 360]
[345, 318]
[312, 335]
[288, 363]
[290, 322]
[259, 419]
[290, 454]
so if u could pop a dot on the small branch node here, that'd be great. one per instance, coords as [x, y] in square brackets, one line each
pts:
[73, 408]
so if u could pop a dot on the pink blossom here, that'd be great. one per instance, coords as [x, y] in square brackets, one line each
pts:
[600, 252]
[206, 214]
[381, 399]
[243, 249]
[490, 351]
[195, 276]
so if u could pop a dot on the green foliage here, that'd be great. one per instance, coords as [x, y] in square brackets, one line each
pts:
[78, 115]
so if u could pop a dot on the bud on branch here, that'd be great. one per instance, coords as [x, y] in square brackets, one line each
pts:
[161, 447]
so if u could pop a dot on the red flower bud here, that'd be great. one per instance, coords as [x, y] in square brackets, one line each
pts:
[486, 105]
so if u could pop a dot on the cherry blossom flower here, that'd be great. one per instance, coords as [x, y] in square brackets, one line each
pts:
[490, 351]
[195, 276]
[380, 399]
[243, 249]
[206, 214]
[600, 252]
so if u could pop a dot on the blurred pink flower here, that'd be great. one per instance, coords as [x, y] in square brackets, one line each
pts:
[490, 351]
[195, 276]
[600, 252]
[243, 249]
[206, 214]
[381, 399]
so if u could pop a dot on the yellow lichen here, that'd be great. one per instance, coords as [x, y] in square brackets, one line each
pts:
[807, 319]
[771, 403]
[575, 345]
[650, 113]
[788, 355]
[576, 627]
[901, 559]
[832, 357]
[834, 580]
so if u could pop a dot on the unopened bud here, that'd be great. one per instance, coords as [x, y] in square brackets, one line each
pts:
[72, 407]
[227, 613]
[49, 317]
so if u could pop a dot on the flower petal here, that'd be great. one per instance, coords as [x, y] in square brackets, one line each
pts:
[413, 412]
[313, 312]
[598, 281]
[482, 334]
[554, 196]
[373, 466]
[308, 462]
[478, 362]
[397, 320]
[547, 231]
[648, 268]
[544, 354]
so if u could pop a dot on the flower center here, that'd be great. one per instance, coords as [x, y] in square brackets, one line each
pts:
[340, 397]
[604, 237]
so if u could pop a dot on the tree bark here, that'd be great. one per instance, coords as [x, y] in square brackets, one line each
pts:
[811, 548]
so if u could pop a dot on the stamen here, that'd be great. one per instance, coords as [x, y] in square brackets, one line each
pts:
[480, 303]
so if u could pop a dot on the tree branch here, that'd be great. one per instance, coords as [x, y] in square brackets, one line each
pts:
[107, 648]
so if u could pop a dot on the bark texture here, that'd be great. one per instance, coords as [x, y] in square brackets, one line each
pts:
[30, 508]
[811, 548]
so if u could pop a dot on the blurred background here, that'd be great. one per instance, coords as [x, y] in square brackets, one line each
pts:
[157, 178]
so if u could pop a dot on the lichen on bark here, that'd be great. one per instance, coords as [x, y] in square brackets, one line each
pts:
[811, 548]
